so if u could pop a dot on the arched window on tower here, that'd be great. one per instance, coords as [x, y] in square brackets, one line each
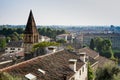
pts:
[29, 38]
[34, 38]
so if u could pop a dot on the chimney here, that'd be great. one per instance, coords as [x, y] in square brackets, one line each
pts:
[83, 56]
[72, 64]
[51, 49]
[64, 76]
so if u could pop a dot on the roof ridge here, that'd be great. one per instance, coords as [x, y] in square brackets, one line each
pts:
[24, 62]
[89, 49]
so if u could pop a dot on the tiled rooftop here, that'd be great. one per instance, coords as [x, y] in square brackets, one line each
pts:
[55, 66]
[15, 44]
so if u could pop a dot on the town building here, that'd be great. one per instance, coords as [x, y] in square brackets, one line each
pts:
[62, 36]
[14, 46]
[78, 41]
[94, 58]
[67, 37]
[44, 38]
[114, 37]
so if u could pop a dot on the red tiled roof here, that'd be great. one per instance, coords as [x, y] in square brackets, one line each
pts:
[103, 60]
[55, 66]
[93, 54]
[96, 57]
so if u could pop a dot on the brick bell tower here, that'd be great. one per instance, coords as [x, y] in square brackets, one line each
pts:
[31, 34]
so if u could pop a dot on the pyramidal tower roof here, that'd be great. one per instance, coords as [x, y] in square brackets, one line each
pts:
[31, 26]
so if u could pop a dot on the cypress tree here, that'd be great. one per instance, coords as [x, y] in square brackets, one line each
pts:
[92, 45]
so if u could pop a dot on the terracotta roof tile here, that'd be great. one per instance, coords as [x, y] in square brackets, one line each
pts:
[55, 66]
[93, 54]
[95, 57]
[103, 60]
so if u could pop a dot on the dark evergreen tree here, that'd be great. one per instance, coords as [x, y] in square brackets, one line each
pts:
[92, 44]
[2, 43]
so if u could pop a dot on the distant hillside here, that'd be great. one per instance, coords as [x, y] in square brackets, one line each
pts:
[90, 29]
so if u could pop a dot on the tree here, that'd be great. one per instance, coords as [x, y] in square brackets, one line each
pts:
[63, 31]
[90, 73]
[3, 31]
[108, 72]
[19, 30]
[8, 39]
[107, 48]
[106, 44]
[104, 47]
[21, 36]
[92, 44]
[15, 36]
[85, 45]
[40, 47]
[98, 44]
[2, 43]
[8, 31]
[50, 32]
[6, 76]
[45, 44]
[61, 41]
[69, 48]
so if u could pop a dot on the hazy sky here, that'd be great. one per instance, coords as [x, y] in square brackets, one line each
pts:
[61, 12]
